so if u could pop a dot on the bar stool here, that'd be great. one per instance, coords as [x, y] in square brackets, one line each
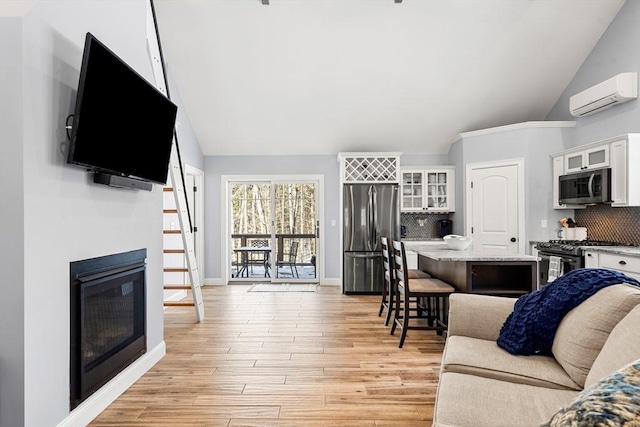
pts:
[427, 289]
[389, 280]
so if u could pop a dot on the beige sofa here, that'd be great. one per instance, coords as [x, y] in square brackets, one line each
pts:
[483, 385]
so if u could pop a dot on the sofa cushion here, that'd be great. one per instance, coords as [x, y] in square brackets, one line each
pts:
[622, 347]
[584, 330]
[478, 316]
[612, 401]
[468, 400]
[484, 358]
[532, 326]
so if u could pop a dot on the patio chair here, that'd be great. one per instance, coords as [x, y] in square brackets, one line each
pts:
[293, 253]
[260, 258]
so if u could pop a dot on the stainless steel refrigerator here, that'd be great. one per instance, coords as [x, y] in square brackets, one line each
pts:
[370, 211]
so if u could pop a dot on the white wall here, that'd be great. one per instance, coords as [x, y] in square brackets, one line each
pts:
[11, 225]
[215, 166]
[617, 51]
[66, 216]
[190, 151]
[534, 145]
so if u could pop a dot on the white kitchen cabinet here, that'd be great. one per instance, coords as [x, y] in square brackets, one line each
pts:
[625, 170]
[591, 259]
[620, 153]
[412, 182]
[412, 260]
[627, 264]
[590, 158]
[428, 189]
[358, 168]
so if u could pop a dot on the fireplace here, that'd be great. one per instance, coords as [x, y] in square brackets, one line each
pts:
[107, 319]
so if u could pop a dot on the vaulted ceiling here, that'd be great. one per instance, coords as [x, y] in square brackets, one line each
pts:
[324, 76]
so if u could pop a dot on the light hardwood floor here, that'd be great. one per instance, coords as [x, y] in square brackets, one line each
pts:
[284, 359]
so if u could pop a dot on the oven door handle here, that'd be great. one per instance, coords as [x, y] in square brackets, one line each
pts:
[547, 257]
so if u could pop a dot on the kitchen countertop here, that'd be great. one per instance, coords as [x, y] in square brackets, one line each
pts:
[441, 252]
[617, 250]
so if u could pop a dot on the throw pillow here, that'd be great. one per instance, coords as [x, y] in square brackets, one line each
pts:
[614, 401]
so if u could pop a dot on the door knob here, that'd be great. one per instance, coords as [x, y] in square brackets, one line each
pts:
[513, 239]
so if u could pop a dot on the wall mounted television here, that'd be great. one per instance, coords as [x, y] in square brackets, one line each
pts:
[122, 127]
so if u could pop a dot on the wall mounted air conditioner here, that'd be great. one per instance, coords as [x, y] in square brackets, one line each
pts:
[614, 91]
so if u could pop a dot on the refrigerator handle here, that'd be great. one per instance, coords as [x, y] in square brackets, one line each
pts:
[370, 218]
[376, 229]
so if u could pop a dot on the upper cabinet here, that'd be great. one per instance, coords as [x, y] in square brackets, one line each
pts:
[359, 168]
[427, 189]
[621, 154]
[591, 158]
[625, 170]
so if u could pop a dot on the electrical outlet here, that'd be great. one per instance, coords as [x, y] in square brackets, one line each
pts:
[543, 224]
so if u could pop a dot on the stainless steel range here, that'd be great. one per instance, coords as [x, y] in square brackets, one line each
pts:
[570, 252]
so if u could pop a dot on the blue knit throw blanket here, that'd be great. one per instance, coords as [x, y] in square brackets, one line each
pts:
[531, 327]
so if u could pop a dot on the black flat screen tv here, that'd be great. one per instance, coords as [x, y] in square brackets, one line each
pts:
[122, 125]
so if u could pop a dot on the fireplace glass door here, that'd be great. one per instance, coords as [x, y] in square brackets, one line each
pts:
[108, 327]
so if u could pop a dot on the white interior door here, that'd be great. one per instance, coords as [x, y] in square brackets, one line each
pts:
[194, 192]
[495, 211]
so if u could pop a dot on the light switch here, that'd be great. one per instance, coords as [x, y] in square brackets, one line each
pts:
[333, 222]
[543, 224]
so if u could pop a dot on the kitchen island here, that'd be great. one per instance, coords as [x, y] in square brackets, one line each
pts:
[478, 271]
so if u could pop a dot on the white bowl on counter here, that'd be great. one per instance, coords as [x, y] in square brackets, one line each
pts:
[458, 243]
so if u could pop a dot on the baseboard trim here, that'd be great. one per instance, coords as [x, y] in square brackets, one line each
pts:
[88, 410]
[214, 281]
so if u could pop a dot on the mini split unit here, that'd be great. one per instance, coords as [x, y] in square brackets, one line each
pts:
[614, 91]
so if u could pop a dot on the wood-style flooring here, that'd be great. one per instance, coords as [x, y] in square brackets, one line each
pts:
[284, 359]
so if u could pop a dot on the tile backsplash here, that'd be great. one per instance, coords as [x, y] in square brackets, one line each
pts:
[429, 227]
[612, 224]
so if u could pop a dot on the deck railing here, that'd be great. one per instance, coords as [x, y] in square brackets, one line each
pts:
[306, 247]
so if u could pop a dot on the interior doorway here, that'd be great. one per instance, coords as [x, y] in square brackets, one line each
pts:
[273, 229]
[495, 200]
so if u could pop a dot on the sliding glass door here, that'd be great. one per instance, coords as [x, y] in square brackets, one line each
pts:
[273, 231]
[295, 231]
[251, 230]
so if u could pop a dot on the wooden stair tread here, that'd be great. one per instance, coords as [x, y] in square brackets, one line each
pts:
[167, 189]
[175, 287]
[179, 304]
[173, 251]
[170, 211]
[171, 231]
[176, 270]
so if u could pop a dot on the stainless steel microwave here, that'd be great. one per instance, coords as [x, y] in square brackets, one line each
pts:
[587, 187]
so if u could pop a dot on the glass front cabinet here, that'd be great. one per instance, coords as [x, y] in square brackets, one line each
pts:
[430, 190]
[591, 158]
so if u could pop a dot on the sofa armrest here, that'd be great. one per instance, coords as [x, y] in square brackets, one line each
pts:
[478, 316]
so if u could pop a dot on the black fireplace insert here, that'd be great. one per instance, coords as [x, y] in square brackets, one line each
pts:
[108, 330]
